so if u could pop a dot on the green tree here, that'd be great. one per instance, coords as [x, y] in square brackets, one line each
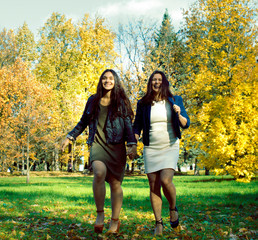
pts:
[167, 53]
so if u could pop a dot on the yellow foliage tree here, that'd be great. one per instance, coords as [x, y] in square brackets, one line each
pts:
[71, 60]
[223, 85]
[8, 47]
[17, 44]
[96, 43]
[27, 116]
[25, 44]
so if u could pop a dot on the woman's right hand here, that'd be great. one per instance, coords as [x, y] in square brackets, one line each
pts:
[64, 144]
[132, 151]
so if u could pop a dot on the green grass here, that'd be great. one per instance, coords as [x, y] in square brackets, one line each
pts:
[210, 207]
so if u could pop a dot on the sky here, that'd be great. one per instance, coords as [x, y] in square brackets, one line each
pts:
[13, 13]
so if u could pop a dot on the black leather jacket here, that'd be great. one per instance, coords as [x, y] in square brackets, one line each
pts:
[117, 131]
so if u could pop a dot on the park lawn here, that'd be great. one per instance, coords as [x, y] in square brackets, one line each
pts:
[210, 207]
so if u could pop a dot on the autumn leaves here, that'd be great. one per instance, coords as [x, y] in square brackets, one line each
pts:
[210, 62]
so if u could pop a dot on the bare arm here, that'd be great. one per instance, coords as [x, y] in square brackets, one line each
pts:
[137, 136]
[64, 144]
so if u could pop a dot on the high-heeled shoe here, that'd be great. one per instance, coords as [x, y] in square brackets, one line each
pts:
[98, 228]
[158, 233]
[118, 226]
[174, 224]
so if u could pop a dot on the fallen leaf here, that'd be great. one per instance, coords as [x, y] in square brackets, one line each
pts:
[249, 218]
[48, 237]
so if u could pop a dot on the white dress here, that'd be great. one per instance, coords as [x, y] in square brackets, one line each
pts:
[163, 150]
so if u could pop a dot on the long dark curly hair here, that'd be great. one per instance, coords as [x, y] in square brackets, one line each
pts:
[165, 92]
[118, 96]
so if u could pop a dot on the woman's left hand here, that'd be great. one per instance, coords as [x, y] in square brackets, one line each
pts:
[177, 109]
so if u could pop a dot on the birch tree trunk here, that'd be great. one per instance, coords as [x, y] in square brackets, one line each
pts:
[22, 170]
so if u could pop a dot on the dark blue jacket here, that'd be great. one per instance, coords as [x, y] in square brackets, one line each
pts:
[117, 131]
[142, 119]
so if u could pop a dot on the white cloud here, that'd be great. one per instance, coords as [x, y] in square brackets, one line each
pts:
[176, 15]
[143, 7]
[132, 8]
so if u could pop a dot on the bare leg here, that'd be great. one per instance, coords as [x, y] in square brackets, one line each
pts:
[169, 189]
[116, 202]
[99, 189]
[156, 199]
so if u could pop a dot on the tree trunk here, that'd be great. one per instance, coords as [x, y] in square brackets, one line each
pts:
[196, 169]
[4, 163]
[72, 160]
[207, 172]
[132, 170]
[56, 160]
[185, 155]
[71, 151]
[53, 161]
[178, 168]
[23, 173]
[18, 165]
[28, 156]
[28, 140]
[18, 161]
[45, 165]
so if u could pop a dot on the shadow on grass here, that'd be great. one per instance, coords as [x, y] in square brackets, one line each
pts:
[219, 180]
[214, 180]
[64, 207]
[36, 226]
[77, 190]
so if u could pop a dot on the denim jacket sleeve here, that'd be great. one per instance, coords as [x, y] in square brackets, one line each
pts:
[130, 138]
[83, 123]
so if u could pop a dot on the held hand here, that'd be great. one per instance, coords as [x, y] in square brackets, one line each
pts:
[137, 137]
[177, 109]
[64, 144]
[132, 151]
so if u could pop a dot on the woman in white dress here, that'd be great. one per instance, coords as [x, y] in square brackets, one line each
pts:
[159, 116]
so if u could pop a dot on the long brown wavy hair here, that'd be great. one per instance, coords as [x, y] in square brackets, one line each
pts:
[165, 92]
[118, 96]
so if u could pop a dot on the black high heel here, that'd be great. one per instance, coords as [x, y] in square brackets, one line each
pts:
[174, 224]
[159, 222]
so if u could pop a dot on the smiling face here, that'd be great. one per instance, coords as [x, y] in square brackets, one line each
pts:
[108, 81]
[156, 82]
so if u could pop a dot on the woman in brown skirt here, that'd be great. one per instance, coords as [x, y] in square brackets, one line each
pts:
[109, 115]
